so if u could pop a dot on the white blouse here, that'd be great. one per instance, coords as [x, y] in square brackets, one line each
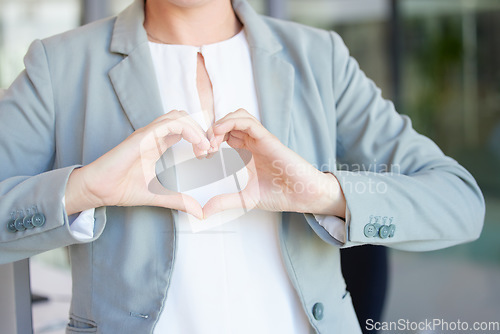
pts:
[228, 274]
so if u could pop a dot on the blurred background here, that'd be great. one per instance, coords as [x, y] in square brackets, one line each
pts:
[438, 60]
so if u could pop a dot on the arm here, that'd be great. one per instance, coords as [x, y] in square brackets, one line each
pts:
[433, 201]
[429, 198]
[27, 153]
[124, 176]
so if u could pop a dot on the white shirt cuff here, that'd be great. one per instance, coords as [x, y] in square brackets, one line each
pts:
[82, 224]
[335, 226]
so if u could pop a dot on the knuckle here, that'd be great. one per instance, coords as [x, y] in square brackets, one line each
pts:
[175, 113]
[166, 122]
[182, 113]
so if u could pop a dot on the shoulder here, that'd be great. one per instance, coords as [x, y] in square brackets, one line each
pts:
[306, 43]
[77, 53]
[64, 60]
[299, 33]
[90, 37]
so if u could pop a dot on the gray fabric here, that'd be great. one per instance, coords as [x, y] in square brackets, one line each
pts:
[85, 91]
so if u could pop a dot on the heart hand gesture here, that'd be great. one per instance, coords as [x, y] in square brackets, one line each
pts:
[125, 176]
[279, 179]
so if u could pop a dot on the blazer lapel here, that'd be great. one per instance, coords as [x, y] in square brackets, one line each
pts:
[274, 76]
[274, 83]
[134, 78]
[135, 84]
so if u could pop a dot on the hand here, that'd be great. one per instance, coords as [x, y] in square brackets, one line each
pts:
[279, 179]
[125, 176]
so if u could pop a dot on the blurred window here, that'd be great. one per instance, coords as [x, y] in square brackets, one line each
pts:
[22, 21]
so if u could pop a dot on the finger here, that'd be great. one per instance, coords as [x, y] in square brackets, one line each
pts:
[164, 197]
[209, 155]
[249, 126]
[173, 200]
[224, 202]
[222, 136]
[240, 113]
[168, 141]
[210, 136]
[235, 142]
[184, 128]
[172, 114]
[239, 134]
[184, 117]
[200, 151]
[169, 127]
[181, 202]
[214, 146]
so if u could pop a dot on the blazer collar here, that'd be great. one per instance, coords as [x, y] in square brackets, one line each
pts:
[134, 78]
[129, 32]
[258, 34]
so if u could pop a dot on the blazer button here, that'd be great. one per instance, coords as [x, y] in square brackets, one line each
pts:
[11, 225]
[38, 220]
[392, 230]
[318, 311]
[384, 232]
[370, 230]
[18, 223]
[27, 222]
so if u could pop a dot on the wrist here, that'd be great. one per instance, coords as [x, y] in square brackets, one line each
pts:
[330, 200]
[78, 196]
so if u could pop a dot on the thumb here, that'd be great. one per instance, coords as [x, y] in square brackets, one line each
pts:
[181, 202]
[170, 199]
[224, 202]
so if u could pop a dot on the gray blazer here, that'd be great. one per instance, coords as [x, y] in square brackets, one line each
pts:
[85, 91]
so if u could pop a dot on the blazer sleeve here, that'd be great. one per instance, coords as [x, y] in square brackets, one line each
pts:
[391, 175]
[28, 182]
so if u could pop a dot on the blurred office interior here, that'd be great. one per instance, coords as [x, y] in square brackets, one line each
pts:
[438, 60]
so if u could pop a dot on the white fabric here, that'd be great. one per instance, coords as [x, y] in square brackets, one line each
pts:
[82, 224]
[335, 226]
[228, 274]
[85, 228]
